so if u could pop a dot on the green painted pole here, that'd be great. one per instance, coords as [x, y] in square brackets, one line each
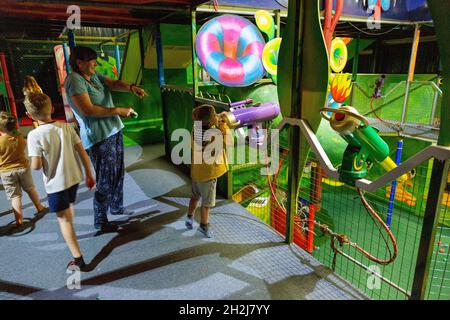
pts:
[429, 228]
[295, 30]
[356, 60]
[439, 10]
[194, 54]
[278, 21]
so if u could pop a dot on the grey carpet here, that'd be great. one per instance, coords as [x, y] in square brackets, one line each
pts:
[153, 256]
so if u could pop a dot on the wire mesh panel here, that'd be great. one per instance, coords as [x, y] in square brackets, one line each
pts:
[439, 273]
[252, 186]
[362, 251]
[366, 246]
[423, 101]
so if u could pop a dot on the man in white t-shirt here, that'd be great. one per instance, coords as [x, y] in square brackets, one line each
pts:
[56, 148]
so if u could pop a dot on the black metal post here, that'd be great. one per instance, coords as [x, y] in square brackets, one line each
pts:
[429, 227]
[295, 23]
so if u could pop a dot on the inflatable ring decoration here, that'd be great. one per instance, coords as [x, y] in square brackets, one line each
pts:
[229, 48]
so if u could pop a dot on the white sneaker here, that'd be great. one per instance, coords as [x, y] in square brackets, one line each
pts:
[189, 222]
[206, 231]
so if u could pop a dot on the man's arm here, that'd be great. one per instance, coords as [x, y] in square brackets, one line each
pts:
[90, 180]
[86, 107]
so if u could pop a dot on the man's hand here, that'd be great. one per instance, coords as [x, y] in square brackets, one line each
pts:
[139, 92]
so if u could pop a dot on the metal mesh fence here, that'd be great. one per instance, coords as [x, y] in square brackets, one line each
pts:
[423, 107]
[326, 205]
[343, 212]
[439, 273]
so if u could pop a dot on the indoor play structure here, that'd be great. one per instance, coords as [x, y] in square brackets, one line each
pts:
[361, 106]
[363, 171]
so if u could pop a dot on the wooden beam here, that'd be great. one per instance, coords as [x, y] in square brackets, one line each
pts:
[103, 18]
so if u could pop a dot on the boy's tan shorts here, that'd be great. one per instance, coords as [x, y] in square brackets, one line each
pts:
[206, 191]
[16, 180]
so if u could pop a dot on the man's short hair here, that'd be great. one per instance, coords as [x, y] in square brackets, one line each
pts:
[38, 105]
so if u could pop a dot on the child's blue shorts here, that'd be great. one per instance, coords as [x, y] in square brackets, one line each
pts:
[60, 201]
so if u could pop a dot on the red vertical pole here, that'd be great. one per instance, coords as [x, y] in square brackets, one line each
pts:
[316, 184]
[12, 103]
[312, 216]
[327, 23]
[331, 21]
[377, 11]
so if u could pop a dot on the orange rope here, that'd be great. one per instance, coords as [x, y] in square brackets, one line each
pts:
[373, 214]
[379, 118]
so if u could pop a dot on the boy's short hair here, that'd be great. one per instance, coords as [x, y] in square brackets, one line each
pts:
[7, 122]
[38, 105]
[206, 114]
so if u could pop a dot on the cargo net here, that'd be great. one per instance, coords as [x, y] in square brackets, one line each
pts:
[345, 228]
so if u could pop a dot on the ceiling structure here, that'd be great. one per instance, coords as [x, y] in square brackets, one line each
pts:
[43, 19]
[47, 18]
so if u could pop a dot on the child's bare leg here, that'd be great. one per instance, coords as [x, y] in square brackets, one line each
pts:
[65, 219]
[17, 208]
[34, 196]
[192, 206]
[204, 215]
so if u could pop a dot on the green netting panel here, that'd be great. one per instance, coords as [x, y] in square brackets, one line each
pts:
[178, 106]
[148, 127]
[342, 211]
[439, 273]
[339, 207]
[390, 106]
[131, 70]
[176, 34]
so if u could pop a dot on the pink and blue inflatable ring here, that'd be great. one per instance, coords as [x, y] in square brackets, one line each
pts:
[229, 48]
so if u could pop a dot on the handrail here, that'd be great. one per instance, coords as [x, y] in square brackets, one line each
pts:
[438, 152]
[314, 143]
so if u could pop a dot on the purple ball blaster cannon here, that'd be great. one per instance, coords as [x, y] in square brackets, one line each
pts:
[243, 114]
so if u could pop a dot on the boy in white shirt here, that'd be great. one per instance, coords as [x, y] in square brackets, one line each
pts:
[57, 149]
